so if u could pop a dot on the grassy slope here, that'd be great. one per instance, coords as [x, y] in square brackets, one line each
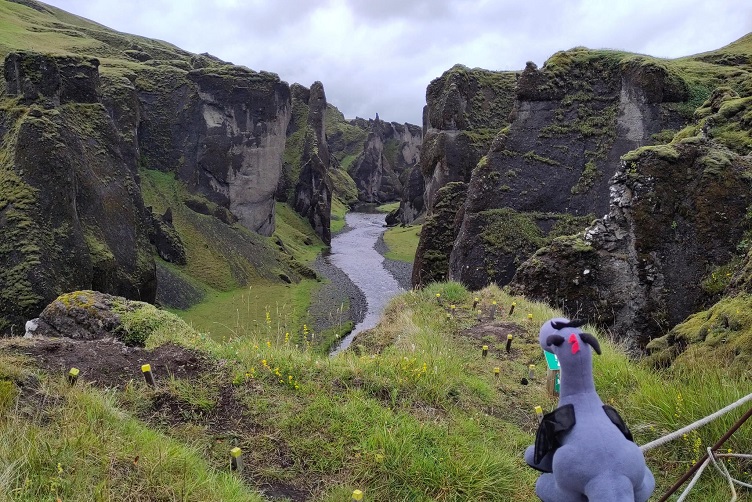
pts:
[402, 242]
[415, 414]
[238, 295]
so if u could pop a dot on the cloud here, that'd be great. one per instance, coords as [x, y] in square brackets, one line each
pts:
[378, 56]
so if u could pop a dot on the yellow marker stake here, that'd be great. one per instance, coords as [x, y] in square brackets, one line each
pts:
[357, 495]
[73, 376]
[497, 370]
[509, 342]
[236, 460]
[146, 370]
[539, 413]
[485, 350]
[530, 316]
[511, 309]
[531, 371]
[475, 302]
[493, 309]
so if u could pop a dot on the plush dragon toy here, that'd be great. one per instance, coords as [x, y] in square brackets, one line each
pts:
[583, 447]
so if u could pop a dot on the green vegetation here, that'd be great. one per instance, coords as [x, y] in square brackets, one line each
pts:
[346, 139]
[339, 210]
[241, 284]
[412, 413]
[402, 242]
[587, 178]
[721, 335]
[388, 208]
[510, 231]
[531, 156]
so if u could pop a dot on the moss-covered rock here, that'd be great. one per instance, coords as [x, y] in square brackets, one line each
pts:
[667, 247]
[84, 223]
[572, 121]
[91, 315]
[720, 335]
[437, 235]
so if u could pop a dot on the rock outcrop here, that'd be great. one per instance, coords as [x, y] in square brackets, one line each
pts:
[313, 192]
[439, 229]
[70, 208]
[390, 152]
[677, 213]
[91, 315]
[221, 128]
[78, 141]
[571, 122]
[465, 110]
[306, 182]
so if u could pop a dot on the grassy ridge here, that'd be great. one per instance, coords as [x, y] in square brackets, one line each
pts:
[413, 413]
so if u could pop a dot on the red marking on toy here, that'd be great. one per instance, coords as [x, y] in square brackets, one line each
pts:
[575, 343]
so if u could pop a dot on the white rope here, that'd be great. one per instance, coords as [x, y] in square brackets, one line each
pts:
[694, 481]
[674, 435]
[739, 455]
[724, 472]
[721, 468]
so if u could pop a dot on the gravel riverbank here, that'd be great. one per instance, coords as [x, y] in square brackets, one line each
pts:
[327, 304]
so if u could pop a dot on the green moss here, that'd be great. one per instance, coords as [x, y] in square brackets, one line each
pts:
[509, 231]
[587, 178]
[719, 278]
[20, 250]
[98, 250]
[721, 335]
[343, 186]
[140, 320]
[664, 152]
[531, 156]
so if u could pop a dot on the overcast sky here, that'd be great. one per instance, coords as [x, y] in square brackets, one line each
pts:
[378, 56]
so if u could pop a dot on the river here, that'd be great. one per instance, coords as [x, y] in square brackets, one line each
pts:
[354, 253]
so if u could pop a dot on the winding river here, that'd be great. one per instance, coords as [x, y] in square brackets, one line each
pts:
[353, 252]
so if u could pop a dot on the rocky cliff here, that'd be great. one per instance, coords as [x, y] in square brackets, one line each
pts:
[71, 212]
[676, 236]
[313, 192]
[571, 122]
[221, 128]
[390, 152]
[95, 115]
[660, 146]
[465, 110]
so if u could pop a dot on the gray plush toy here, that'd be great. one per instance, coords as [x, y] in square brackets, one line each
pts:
[583, 447]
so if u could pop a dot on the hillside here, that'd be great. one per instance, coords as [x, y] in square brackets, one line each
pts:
[414, 412]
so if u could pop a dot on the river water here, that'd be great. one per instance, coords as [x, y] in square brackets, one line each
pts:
[353, 252]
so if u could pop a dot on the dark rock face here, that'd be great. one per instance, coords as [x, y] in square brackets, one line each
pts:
[389, 152]
[676, 214]
[431, 265]
[221, 128]
[571, 122]
[166, 239]
[57, 80]
[71, 212]
[313, 190]
[464, 112]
